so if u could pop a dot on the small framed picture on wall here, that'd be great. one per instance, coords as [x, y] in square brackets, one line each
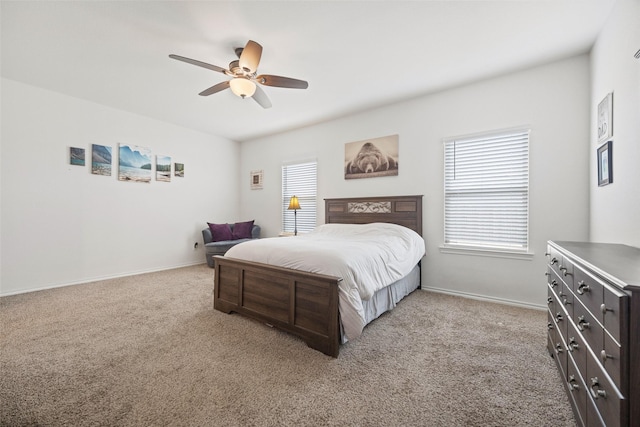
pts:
[605, 118]
[256, 180]
[605, 164]
[76, 156]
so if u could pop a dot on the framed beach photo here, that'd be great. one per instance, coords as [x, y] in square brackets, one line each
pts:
[605, 164]
[134, 164]
[100, 160]
[163, 168]
[76, 156]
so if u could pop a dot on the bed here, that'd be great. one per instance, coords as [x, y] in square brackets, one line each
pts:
[311, 304]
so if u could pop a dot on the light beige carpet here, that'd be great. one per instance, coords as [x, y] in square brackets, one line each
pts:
[149, 350]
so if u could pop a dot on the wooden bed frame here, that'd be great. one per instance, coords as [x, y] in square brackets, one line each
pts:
[302, 303]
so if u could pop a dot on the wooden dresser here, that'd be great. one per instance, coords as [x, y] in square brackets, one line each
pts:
[594, 329]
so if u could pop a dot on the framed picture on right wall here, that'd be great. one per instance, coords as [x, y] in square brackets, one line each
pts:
[605, 118]
[605, 164]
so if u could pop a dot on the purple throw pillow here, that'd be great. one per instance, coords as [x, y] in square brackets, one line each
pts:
[220, 232]
[242, 230]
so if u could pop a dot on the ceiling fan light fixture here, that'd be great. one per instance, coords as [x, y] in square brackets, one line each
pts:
[243, 74]
[242, 87]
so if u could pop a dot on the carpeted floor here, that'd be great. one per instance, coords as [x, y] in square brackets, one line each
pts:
[149, 350]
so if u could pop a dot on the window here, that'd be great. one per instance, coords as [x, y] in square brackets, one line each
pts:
[299, 180]
[486, 187]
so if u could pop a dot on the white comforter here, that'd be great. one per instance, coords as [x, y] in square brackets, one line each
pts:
[367, 257]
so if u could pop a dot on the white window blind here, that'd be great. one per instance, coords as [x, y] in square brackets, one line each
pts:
[301, 180]
[487, 191]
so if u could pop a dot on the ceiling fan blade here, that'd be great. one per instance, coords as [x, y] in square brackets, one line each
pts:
[279, 81]
[215, 88]
[250, 57]
[198, 63]
[261, 98]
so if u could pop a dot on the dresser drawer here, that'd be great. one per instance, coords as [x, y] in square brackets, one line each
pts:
[593, 416]
[554, 282]
[560, 354]
[607, 398]
[614, 310]
[556, 345]
[566, 299]
[590, 329]
[577, 348]
[559, 315]
[577, 392]
[551, 334]
[590, 292]
[611, 359]
[561, 289]
[565, 271]
[555, 259]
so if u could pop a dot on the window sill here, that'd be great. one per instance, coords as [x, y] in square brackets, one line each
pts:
[493, 253]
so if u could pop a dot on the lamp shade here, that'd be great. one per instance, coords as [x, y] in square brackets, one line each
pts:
[293, 203]
[242, 87]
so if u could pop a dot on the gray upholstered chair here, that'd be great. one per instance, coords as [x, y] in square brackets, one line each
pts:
[221, 247]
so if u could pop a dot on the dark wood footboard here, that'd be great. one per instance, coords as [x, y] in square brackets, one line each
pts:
[304, 304]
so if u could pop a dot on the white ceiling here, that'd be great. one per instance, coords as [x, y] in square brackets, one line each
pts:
[355, 54]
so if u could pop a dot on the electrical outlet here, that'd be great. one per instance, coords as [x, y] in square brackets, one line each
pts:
[195, 245]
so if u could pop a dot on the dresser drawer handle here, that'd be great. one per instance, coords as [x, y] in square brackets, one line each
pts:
[559, 348]
[582, 323]
[554, 260]
[564, 271]
[554, 283]
[604, 356]
[572, 344]
[604, 309]
[583, 287]
[562, 295]
[550, 325]
[572, 383]
[559, 317]
[549, 300]
[599, 392]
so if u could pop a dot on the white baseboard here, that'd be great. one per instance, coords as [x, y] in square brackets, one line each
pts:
[97, 279]
[484, 298]
[424, 288]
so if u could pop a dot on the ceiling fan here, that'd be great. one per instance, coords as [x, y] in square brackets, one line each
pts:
[244, 75]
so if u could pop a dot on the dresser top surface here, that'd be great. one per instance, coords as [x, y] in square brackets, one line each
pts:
[619, 264]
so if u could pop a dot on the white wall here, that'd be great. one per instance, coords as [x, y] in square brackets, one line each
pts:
[553, 100]
[615, 208]
[63, 225]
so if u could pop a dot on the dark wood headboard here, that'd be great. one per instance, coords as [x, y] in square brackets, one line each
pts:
[403, 210]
